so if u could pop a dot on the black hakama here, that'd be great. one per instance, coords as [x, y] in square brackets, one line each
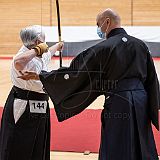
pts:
[126, 129]
[29, 138]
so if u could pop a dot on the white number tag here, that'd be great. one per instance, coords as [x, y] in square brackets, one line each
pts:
[38, 106]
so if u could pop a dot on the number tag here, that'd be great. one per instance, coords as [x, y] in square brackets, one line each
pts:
[38, 106]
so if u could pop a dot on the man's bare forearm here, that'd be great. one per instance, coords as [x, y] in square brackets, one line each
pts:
[53, 49]
[29, 76]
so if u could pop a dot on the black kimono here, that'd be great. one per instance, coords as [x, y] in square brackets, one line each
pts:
[122, 69]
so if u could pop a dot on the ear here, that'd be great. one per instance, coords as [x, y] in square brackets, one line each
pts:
[108, 20]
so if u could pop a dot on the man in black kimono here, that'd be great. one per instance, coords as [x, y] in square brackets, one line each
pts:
[121, 68]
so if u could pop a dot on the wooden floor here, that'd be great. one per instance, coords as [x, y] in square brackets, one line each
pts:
[72, 156]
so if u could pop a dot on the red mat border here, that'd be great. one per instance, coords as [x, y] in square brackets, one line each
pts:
[65, 58]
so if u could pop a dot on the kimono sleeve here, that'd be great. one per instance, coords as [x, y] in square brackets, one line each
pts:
[74, 88]
[152, 88]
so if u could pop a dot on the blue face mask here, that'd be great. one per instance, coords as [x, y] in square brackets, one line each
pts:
[100, 33]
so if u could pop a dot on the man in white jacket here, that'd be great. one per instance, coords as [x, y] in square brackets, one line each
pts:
[25, 125]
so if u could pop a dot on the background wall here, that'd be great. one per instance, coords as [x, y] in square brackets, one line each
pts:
[16, 14]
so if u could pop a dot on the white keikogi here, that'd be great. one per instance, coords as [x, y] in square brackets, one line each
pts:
[25, 129]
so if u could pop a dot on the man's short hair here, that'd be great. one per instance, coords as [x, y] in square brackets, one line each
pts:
[30, 34]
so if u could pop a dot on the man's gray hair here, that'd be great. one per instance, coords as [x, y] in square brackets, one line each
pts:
[30, 34]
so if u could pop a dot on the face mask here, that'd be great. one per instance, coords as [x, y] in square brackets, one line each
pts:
[100, 33]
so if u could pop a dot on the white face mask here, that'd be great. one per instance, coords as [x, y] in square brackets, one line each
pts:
[99, 31]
